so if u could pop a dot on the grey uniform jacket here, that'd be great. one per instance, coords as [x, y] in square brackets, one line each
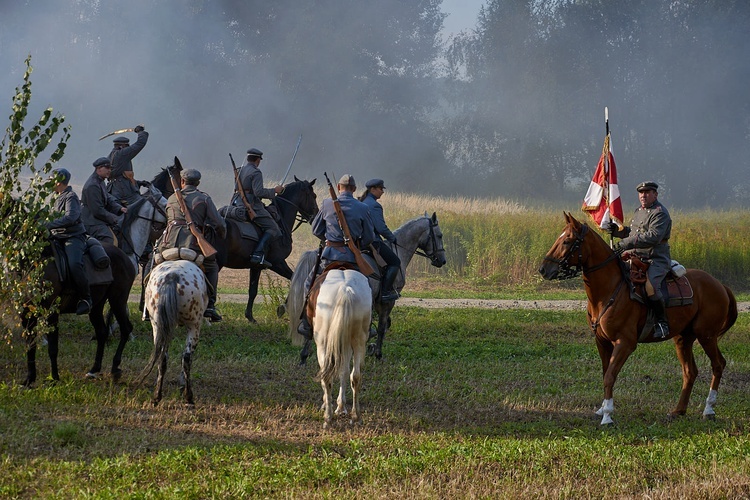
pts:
[69, 223]
[650, 231]
[122, 161]
[251, 180]
[202, 211]
[99, 208]
[325, 226]
[378, 219]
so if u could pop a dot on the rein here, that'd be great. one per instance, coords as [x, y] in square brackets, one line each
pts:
[432, 256]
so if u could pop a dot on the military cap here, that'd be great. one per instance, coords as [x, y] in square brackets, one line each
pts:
[375, 183]
[102, 162]
[646, 186]
[255, 152]
[121, 140]
[190, 175]
[347, 180]
[62, 175]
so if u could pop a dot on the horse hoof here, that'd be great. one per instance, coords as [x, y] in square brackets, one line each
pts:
[116, 374]
[281, 310]
[251, 320]
[712, 416]
[93, 375]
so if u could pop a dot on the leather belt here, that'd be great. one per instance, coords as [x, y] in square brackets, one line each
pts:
[335, 243]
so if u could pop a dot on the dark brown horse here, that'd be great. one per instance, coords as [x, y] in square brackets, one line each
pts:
[297, 203]
[616, 320]
[116, 293]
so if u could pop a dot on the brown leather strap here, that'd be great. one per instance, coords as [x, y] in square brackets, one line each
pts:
[335, 243]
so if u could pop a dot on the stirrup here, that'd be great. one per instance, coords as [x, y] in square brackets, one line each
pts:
[661, 330]
[84, 307]
[211, 314]
[259, 259]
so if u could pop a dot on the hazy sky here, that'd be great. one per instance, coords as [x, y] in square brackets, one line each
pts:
[462, 14]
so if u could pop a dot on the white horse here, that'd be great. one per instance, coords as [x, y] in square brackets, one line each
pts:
[144, 222]
[176, 295]
[419, 236]
[342, 313]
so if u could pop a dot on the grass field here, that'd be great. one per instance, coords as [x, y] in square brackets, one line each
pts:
[466, 403]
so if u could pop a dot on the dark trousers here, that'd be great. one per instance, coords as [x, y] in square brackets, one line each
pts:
[75, 247]
[388, 255]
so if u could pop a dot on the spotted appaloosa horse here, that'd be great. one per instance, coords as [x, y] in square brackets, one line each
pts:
[176, 295]
[341, 302]
[617, 320]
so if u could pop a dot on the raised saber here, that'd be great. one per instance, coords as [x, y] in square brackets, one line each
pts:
[121, 131]
[293, 157]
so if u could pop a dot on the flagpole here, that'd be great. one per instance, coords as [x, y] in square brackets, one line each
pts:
[606, 169]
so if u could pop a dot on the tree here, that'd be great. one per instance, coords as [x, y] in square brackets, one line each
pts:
[25, 187]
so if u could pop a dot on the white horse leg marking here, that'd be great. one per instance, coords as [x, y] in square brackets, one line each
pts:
[606, 411]
[710, 402]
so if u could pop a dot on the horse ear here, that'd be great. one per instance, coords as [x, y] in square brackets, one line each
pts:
[567, 216]
[434, 216]
[313, 181]
[295, 178]
[177, 163]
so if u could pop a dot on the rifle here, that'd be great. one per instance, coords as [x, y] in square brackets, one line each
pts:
[206, 249]
[364, 267]
[248, 207]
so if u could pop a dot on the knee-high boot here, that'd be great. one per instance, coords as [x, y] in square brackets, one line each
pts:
[661, 325]
[259, 255]
[212, 276]
[387, 292]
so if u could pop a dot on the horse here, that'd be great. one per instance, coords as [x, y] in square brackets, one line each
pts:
[143, 224]
[297, 203]
[115, 293]
[176, 295]
[616, 320]
[420, 236]
[342, 302]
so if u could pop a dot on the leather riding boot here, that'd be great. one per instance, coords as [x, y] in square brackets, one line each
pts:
[212, 276]
[304, 327]
[387, 292]
[259, 256]
[661, 325]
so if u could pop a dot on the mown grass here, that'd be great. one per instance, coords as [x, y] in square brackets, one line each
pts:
[465, 403]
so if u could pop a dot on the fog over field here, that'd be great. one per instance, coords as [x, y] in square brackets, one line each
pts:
[506, 102]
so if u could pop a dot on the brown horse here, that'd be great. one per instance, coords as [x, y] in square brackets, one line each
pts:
[616, 320]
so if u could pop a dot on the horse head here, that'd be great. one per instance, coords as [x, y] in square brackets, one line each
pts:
[299, 196]
[573, 251]
[431, 245]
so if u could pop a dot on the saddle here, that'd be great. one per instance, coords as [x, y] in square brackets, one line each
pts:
[98, 270]
[676, 289]
[312, 299]
[239, 218]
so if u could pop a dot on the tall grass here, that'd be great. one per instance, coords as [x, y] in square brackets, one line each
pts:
[496, 243]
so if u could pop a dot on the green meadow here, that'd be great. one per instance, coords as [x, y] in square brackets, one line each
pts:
[465, 403]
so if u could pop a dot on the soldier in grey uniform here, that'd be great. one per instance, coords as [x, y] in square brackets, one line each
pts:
[251, 180]
[648, 237]
[100, 210]
[69, 229]
[326, 227]
[122, 183]
[375, 189]
[203, 213]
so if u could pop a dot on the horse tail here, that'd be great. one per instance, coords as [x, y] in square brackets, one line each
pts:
[165, 320]
[731, 312]
[296, 299]
[337, 338]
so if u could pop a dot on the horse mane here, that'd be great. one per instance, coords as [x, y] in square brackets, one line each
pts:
[408, 224]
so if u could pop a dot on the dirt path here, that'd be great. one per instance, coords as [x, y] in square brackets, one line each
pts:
[551, 305]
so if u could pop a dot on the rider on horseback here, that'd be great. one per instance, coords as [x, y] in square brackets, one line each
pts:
[375, 189]
[122, 183]
[100, 209]
[327, 228]
[251, 179]
[648, 237]
[203, 214]
[69, 229]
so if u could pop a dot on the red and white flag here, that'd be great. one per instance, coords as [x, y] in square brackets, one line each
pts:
[602, 200]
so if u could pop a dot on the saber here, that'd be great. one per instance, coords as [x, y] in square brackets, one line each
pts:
[293, 157]
[121, 131]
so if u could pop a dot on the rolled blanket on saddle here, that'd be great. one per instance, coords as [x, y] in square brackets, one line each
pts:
[178, 253]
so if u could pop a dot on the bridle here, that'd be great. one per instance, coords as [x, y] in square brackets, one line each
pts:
[433, 240]
[301, 216]
[568, 270]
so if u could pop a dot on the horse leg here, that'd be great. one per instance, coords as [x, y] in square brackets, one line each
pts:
[187, 356]
[252, 292]
[620, 353]
[96, 317]
[711, 348]
[126, 329]
[356, 381]
[341, 400]
[305, 353]
[160, 380]
[53, 347]
[30, 360]
[684, 348]
[327, 403]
